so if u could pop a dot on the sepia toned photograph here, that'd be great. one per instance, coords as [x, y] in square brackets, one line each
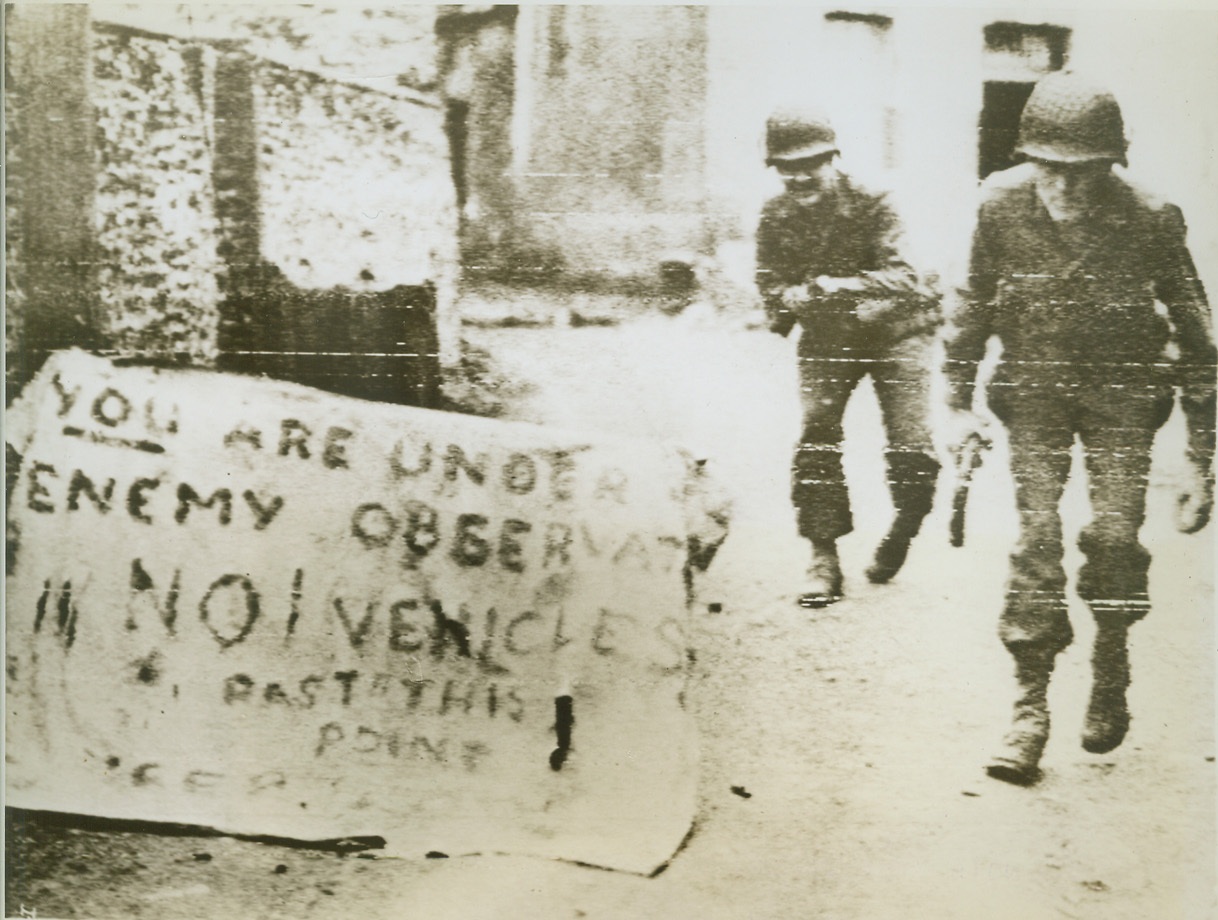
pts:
[609, 461]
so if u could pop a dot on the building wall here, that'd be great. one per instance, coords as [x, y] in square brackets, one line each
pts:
[609, 159]
[391, 49]
[349, 214]
[354, 186]
[347, 187]
[478, 66]
[156, 184]
[14, 269]
[154, 214]
[50, 185]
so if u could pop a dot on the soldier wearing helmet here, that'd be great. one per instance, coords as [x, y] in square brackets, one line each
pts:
[829, 260]
[1068, 262]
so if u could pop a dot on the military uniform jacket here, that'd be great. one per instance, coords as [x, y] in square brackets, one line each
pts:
[1076, 302]
[849, 232]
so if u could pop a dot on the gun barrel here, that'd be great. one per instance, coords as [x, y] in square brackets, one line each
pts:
[959, 503]
[970, 458]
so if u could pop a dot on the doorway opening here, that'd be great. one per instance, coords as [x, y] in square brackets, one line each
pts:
[1016, 56]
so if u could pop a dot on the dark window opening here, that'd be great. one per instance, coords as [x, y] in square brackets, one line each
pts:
[1017, 55]
[1025, 40]
[556, 37]
[872, 19]
[456, 127]
[998, 131]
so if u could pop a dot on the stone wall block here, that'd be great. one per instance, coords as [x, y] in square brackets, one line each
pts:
[157, 233]
[184, 201]
[50, 245]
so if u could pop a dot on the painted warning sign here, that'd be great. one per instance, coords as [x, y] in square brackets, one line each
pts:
[260, 608]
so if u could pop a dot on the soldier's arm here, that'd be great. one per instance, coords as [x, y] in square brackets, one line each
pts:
[892, 274]
[1180, 290]
[969, 319]
[770, 277]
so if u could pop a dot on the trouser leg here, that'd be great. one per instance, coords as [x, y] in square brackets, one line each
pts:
[818, 486]
[1034, 614]
[1113, 579]
[1107, 720]
[902, 386]
[1018, 759]
[828, 375]
[1034, 625]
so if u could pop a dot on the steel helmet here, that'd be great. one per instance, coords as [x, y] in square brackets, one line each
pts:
[1067, 120]
[792, 134]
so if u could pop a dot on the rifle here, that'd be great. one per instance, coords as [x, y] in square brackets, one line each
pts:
[972, 451]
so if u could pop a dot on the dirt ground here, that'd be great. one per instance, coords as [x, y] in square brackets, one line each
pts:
[841, 765]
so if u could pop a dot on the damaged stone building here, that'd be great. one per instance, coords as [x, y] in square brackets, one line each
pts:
[175, 197]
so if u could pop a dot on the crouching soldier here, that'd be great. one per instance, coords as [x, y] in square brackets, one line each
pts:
[1068, 260]
[828, 260]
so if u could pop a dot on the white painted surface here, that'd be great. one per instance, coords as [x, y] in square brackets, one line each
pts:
[275, 662]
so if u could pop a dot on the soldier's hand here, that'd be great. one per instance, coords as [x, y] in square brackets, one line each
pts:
[962, 426]
[830, 285]
[796, 296]
[781, 323]
[1195, 502]
[873, 309]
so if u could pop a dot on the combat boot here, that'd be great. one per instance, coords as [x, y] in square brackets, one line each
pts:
[823, 584]
[890, 554]
[1018, 761]
[1107, 718]
[911, 476]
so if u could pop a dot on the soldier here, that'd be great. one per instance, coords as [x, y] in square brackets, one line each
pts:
[828, 260]
[1068, 260]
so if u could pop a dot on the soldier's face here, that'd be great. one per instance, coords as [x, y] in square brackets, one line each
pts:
[1070, 189]
[809, 178]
